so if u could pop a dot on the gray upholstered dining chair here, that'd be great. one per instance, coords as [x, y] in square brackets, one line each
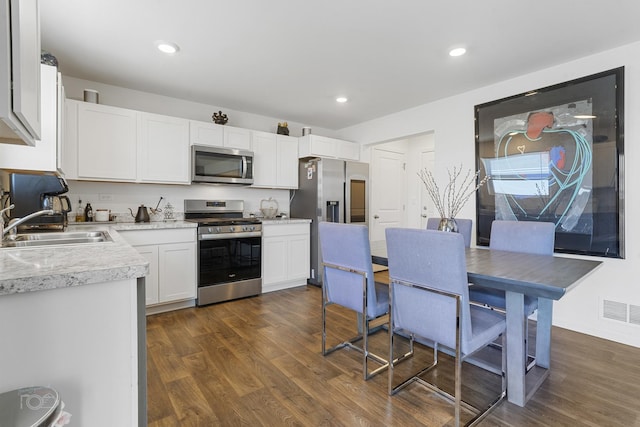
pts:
[516, 236]
[349, 281]
[429, 301]
[464, 228]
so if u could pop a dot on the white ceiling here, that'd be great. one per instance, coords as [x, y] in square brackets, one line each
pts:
[289, 59]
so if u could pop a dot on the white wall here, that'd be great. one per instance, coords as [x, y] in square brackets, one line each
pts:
[151, 103]
[452, 121]
[129, 195]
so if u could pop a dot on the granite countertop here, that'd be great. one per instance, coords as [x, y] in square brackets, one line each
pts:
[28, 269]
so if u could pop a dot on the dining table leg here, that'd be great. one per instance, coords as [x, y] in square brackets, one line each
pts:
[543, 332]
[516, 351]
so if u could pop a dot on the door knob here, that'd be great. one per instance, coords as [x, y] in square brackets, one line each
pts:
[423, 216]
[376, 217]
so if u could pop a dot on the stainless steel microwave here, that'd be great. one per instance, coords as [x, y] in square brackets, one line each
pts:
[221, 165]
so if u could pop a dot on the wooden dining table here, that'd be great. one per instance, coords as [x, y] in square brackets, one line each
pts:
[545, 277]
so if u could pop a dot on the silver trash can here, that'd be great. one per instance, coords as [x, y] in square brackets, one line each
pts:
[30, 407]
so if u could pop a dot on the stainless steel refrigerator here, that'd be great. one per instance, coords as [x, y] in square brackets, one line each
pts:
[329, 190]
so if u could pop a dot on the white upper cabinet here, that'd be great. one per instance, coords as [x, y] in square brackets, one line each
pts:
[203, 133]
[69, 141]
[163, 149]
[348, 150]
[322, 146]
[20, 120]
[287, 164]
[237, 138]
[213, 135]
[275, 160]
[264, 159]
[107, 142]
[43, 156]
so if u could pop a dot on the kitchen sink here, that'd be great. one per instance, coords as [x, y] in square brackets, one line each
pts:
[63, 238]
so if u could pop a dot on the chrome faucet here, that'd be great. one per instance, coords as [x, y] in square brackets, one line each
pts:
[16, 222]
[2, 220]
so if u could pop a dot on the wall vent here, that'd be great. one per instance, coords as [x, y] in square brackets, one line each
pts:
[614, 310]
[634, 314]
[621, 312]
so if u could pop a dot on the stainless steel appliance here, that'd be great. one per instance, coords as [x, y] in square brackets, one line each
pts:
[31, 192]
[221, 165]
[229, 250]
[330, 190]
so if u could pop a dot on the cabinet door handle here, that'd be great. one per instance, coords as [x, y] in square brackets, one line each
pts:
[376, 217]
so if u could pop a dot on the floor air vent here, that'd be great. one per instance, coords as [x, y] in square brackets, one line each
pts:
[627, 313]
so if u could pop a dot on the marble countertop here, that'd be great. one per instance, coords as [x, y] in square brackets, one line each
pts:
[29, 269]
[158, 225]
[119, 226]
[286, 221]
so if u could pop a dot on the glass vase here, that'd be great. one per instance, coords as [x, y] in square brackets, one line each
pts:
[448, 224]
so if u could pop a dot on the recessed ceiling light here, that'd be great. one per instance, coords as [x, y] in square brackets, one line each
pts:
[167, 47]
[341, 99]
[459, 51]
[584, 116]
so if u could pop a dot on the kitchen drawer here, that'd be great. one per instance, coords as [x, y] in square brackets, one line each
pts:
[159, 237]
[269, 230]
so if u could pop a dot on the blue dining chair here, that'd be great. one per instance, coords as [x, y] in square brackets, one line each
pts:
[516, 236]
[348, 281]
[429, 301]
[464, 228]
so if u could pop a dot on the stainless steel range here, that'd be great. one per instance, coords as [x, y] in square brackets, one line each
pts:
[229, 250]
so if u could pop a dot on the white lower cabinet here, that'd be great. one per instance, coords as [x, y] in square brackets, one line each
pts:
[172, 263]
[176, 272]
[285, 255]
[150, 253]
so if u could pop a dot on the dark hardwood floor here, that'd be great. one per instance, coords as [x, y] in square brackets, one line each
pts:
[258, 362]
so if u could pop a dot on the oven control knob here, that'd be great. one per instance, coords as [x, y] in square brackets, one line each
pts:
[217, 229]
[209, 229]
[232, 229]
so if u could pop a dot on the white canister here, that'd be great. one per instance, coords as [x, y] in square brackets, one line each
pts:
[101, 215]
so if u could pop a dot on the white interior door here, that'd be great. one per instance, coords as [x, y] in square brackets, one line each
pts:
[427, 207]
[388, 195]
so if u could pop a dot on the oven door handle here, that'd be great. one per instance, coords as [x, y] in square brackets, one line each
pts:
[227, 236]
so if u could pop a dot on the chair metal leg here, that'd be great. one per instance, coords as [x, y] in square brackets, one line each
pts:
[480, 413]
[351, 344]
[531, 358]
